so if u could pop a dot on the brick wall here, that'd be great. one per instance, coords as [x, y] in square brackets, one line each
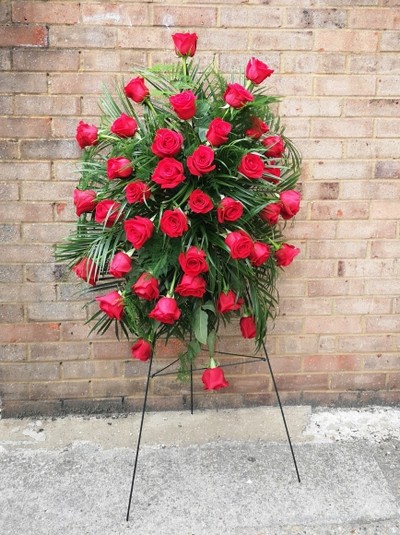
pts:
[337, 62]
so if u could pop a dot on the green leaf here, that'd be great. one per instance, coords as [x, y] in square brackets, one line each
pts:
[200, 321]
[211, 342]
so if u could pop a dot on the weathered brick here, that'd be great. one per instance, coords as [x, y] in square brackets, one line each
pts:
[91, 369]
[24, 171]
[385, 249]
[393, 382]
[250, 17]
[17, 211]
[372, 107]
[59, 352]
[6, 104]
[29, 332]
[323, 191]
[332, 363]
[382, 287]
[310, 107]
[357, 381]
[340, 210]
[374, 229]
[60, 390]
[387, 169]
[5, 59]
[29, 372]
[316, 18]
[60, 149]
[390, 41]
[342, 170]
[370, 19]
[320, 148]
[115, 14]
[31, 83]
[388, 85]
[11, 313]
[383, 324]
[384, 209]
[47, 105]
[23, 36]
[22, 253]
[382, 362]
[45, 60]
[300, 344]
[27, 293]
[117, 387]
[55, 311]
[44, 233]
[338, 249]
[9, 191]
[79, 83]
[9, 233]
[314, 63]
[350, 40]
[16, 127]
[11, 273]
[48, 12]
[83, 37]
[317, 381]
[287, 40]
[5, 12]
[335, 287]
[360, 148]
[341, 127]
[54, 191]
[338, 325]
[297, 85]
[344, 85]
[108, 60]
[193, 16]
[13, 353]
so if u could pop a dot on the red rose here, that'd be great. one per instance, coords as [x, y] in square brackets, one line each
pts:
[141, 350]
[251, 166]
[214, 379]
[248, 327]
[137, 192]
[193, 262]
[227, 302]
[190, 286]
[239, 243]
[290, 200]
[124, 126]
[218, 132]
[166, 311]
[166, 143]
[285, 255]
[87, 270]
[107, 212]
[185, 44]
[201, 161]
[136, 89]
[258, 128]
[229, 210]
[173, 223]
[119, 168]
[199, 202]
[138, 230]
[86, 134]
[120, 265]
[84, 201]
[168, 173]
[184, 104]
[275, 146]
[112, 304]
[260, 254]
[146, 287]
[271, 213]
[257, 71]
[237, 96]
[274, 171]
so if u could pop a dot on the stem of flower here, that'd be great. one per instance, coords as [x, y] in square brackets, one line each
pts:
[172, 287]
[184, 65]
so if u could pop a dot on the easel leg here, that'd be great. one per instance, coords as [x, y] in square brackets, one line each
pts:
[191, 388]
[139, 437]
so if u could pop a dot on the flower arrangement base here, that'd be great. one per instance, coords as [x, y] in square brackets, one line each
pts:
[165, 371]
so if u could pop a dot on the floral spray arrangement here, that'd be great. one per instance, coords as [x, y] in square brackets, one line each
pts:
[183, 190]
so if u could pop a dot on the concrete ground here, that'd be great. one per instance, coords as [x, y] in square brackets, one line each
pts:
[226, 472]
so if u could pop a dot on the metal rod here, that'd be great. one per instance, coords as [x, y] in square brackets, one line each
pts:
[139, 437]
[191, 388]
[222, 365]
[165, 367]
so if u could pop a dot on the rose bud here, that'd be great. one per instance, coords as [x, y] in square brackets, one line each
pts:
[119, 168]
[213, 378]
[166, 142]
[218, 132]
[290, 201]
[271, 213]
[257, 71]
[237, 96]
[84, 201]
[193, 262]
[173, 223]
[251, 166]
[141, 350]
[229, 210]
[260, 253]
[275, 172]
[228, 301]
[168, 173]
[166, 311]
[239, 243]
[201, 161]
[120, 265]
[191, 286]
[136, 90]
[146, 287]
[248, 327]
[124, 126]
[138, 230]
[184, 104]
[86, 134]
[112, 304]
[285, 255]
[107, 212]
[185, 44]
[199, 202]
[137, 191]
[275, 146]
[87, 270]
[258, 128]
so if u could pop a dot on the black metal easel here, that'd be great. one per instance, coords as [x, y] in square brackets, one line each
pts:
[163, 371]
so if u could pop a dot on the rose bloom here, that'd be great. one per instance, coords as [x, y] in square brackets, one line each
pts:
[138, 230]
[214, 379]
[173, 223]
[290, 201]
[119, 168]
[201, 161]
[84, 201]
[86, 134]
[260, 254]
[251, 166]
[190, 286]
[136, 90]
[239, 243]
[258, 128]
[227, 302]
[271, 213]
[218, 132]
[112, 304]
[124, 126]
[185, 44]
[166, 311]
[87, 270]
[199, 202]
[285, 255]
[229, 210]
[193, 262]
[237, 96]
[166, 142]
[141, 350]
[146, 287]
[257, 71]
[275, 171]
[247, 327]
[184, 104]
[168, 173]
[275, 146]
[107, 212]
[137, 191]
[120, 265]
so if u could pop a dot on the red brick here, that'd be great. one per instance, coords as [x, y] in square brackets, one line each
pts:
[47, 12]
[383, 324]
[366, 343]
[350, 40]
[26, 212]
[393, 382]
[336, 325]
[29, 371]
[15, 127]
[117, 387]
[379, 19]
[193, 16]
[23, 36]
[385, 249]
[357, 381]
[60, 390]
[45, 60]
[332, 363]
[317, 381]
[250, 17]
[29, 332]
[112, 350]
[83, 37]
